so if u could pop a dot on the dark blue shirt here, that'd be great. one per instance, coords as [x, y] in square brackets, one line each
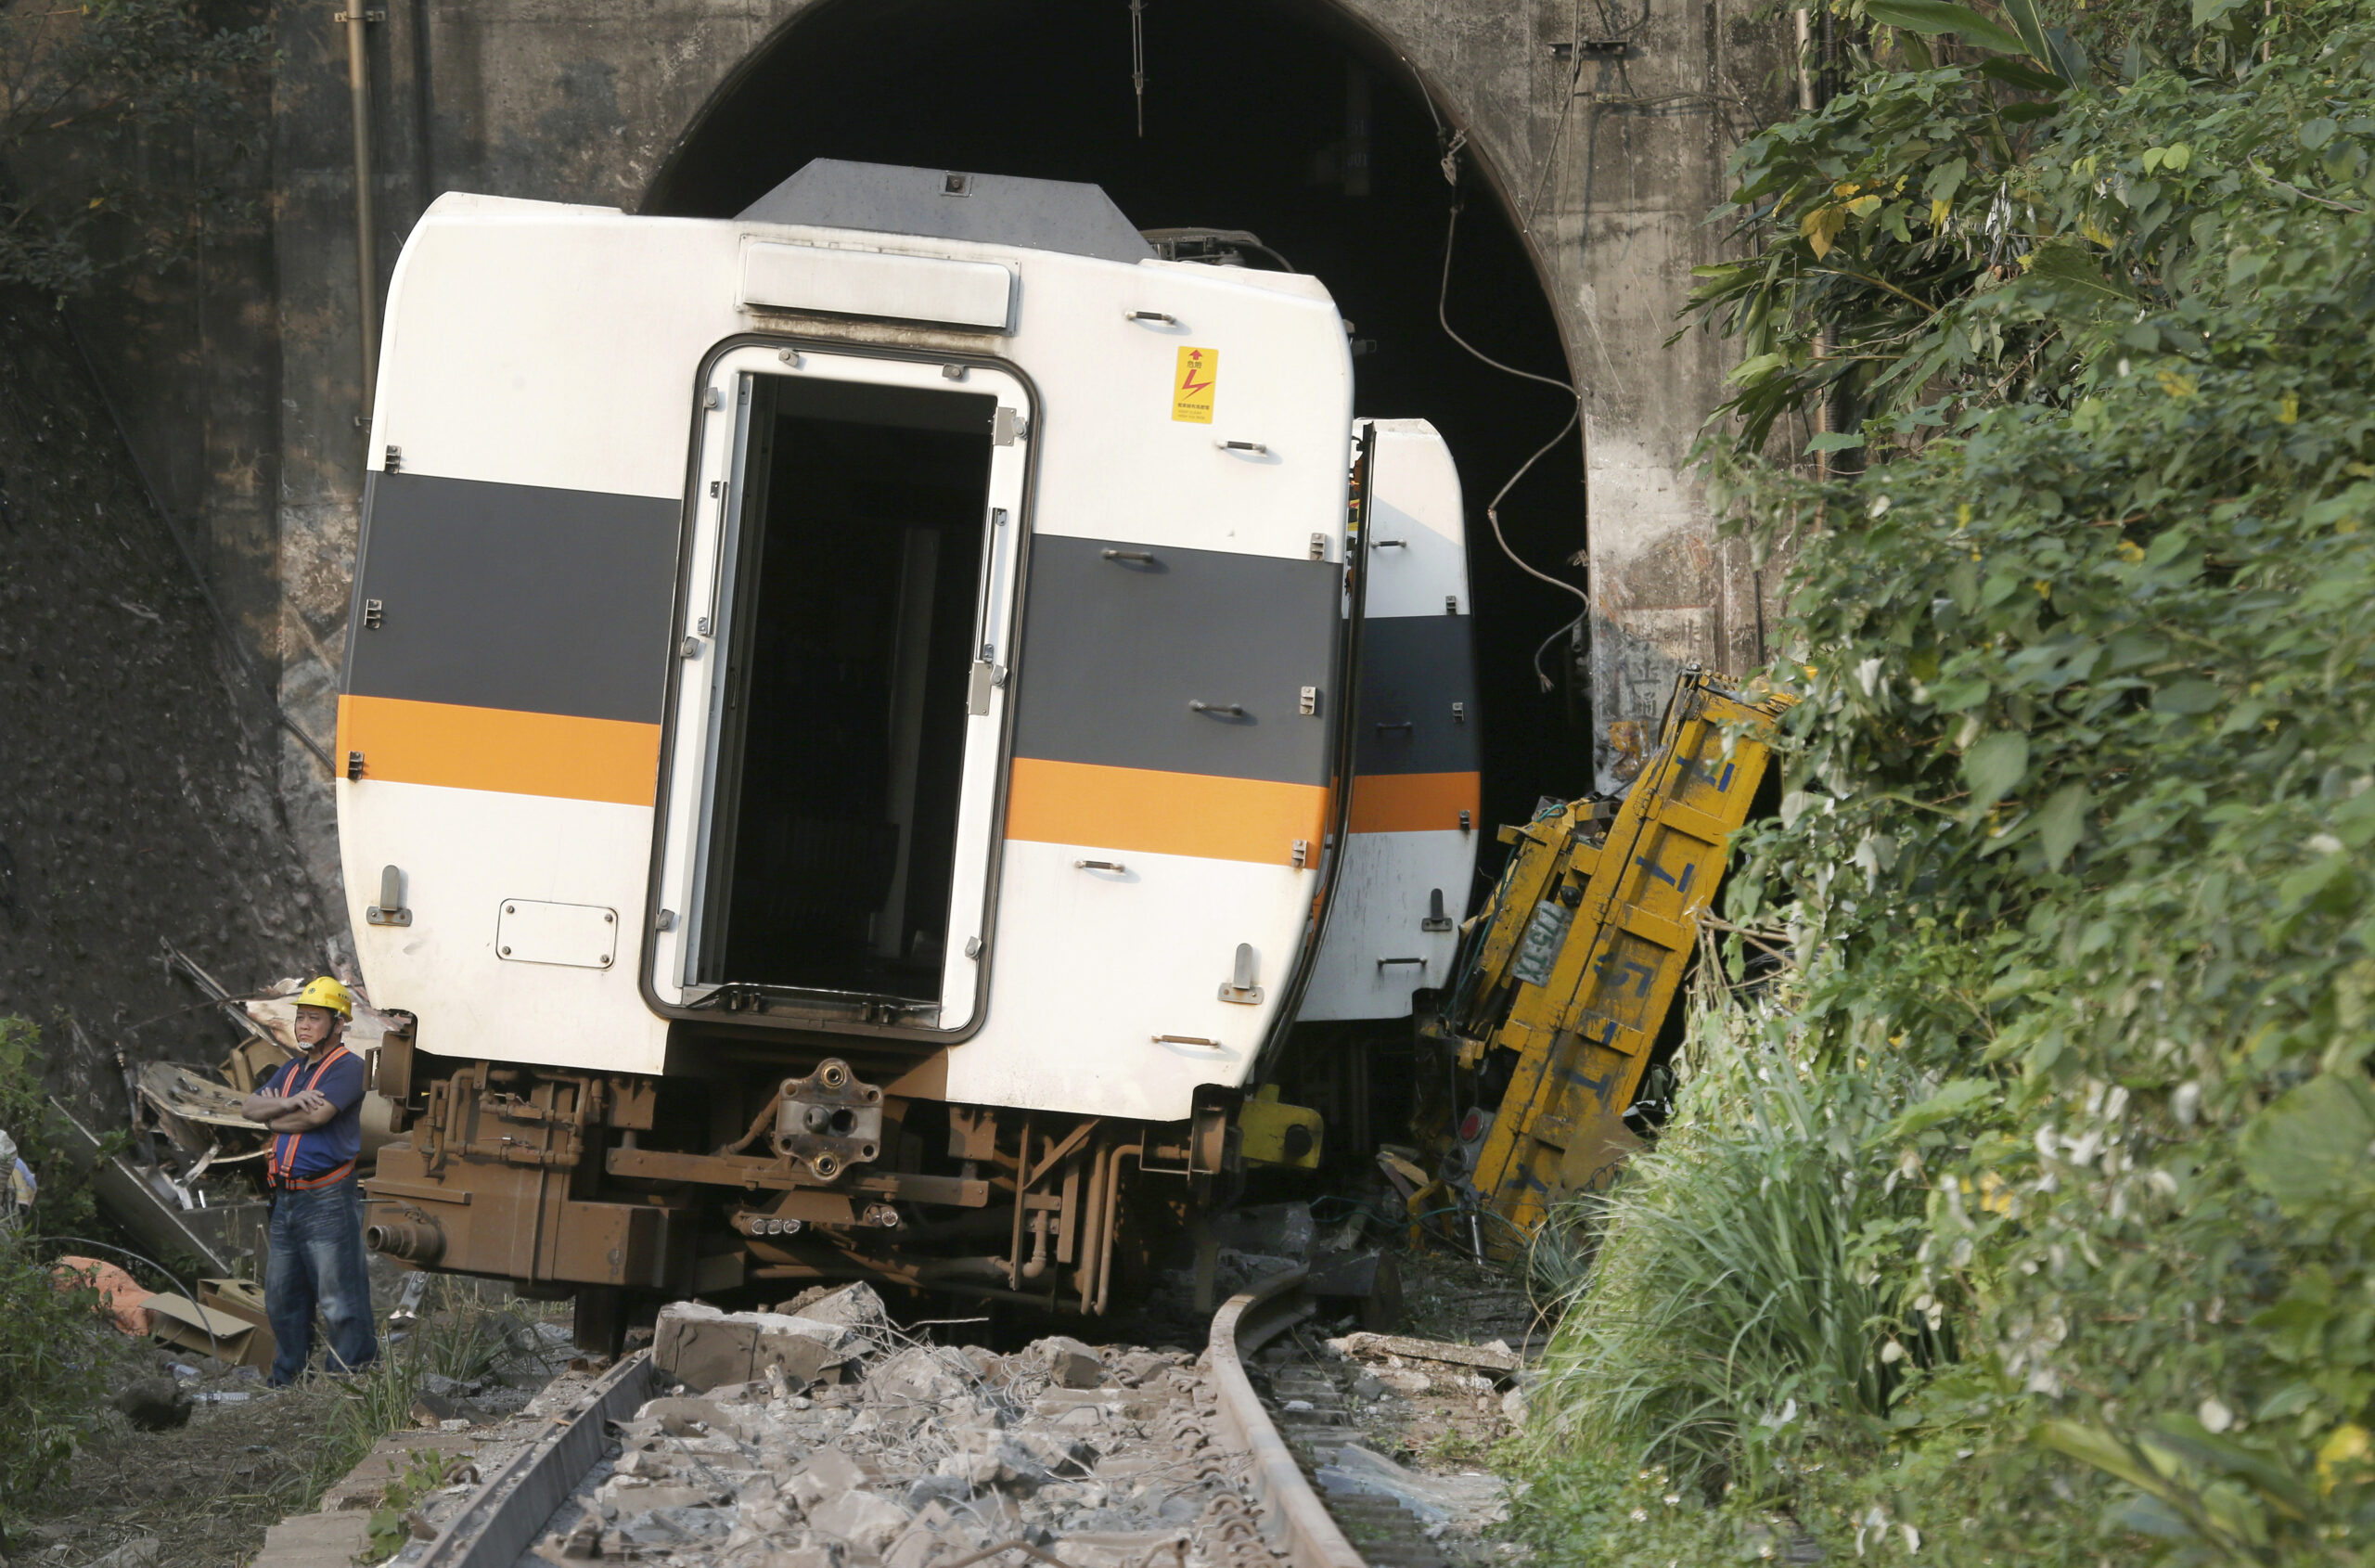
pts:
[321, 1156]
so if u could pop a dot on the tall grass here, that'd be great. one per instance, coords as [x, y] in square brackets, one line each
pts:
[1744, 1297]
[455, 1337]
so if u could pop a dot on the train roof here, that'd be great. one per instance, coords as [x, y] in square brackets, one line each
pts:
[1059, 216]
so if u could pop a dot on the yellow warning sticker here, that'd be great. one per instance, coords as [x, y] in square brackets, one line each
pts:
[1191, 388]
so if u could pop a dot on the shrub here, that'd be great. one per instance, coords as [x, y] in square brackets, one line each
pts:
[2079, 792]
[1749, 1292]
[81, 85]
[51, 1381]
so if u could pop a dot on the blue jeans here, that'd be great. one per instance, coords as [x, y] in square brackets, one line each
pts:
[316, 1261]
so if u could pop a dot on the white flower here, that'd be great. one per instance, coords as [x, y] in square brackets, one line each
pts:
[2214, 1415]
[1880, 505]
[1641, 1516]
[1891, 1352]
[2325, 843]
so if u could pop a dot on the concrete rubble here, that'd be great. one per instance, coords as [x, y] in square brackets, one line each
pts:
[822, 1436]
[1415, 1367]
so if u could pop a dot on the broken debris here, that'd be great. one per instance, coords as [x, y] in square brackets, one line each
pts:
[1493, 1357]
[822, 1434]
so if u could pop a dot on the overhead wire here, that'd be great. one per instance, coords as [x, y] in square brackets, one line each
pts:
[1574, 416]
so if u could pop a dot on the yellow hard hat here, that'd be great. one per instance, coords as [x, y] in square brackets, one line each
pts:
[324, 992]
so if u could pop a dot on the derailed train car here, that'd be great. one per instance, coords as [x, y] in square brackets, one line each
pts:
[867, 726]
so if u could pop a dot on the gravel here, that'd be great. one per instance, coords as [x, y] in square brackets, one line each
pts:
[911, 1454]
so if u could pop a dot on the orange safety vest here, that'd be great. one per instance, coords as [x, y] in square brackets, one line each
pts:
[283, 1158]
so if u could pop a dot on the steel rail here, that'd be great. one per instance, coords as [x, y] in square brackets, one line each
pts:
[503, 1515]
[1293, 1517]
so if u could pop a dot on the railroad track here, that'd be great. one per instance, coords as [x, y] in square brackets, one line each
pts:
[1252, 1433]
[1297, 1415]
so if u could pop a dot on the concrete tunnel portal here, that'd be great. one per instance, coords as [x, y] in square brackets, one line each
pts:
[1287, 117]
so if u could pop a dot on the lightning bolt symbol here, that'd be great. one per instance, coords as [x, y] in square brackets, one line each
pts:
[1191, 384]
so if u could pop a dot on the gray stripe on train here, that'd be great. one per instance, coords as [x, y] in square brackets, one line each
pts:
[1413, 669]
[512, 595]
[1114, 650]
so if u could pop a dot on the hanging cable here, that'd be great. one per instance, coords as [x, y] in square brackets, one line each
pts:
[1575, 415]
[1544, 646]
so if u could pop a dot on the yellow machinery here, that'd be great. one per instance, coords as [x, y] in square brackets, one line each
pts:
[1573, 970]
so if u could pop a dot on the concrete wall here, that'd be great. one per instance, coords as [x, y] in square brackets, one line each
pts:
[1609, 170]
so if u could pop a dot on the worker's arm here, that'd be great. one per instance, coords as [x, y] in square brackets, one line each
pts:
[263, 1105]
[298, 1114]
[305, 1113]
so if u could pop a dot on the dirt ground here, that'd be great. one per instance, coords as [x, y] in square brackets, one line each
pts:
[206, 1492]
[249, 1455]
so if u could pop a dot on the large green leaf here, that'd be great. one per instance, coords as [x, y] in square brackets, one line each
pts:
[2074, 262]
[2310, 1148]
[1951, 1100]
[1993, 766]
[2100, 1449]
[2062, 823]
[2066, 55]
[2030, 25]
[1930, 17]
[2019, 74]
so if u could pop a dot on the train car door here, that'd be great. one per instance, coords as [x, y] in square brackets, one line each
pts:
[833, 776]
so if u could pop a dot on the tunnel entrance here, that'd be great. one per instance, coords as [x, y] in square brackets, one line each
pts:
[1279, 117]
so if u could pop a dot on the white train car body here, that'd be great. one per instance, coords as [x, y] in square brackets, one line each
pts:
[907, 621]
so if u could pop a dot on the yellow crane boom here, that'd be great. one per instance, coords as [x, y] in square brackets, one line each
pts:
[1578, 961]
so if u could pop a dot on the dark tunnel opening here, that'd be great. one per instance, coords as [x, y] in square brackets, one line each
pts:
[1281, 117]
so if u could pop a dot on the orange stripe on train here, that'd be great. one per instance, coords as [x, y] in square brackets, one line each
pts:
[1412, 802]
[501, 748]
[1158, 813]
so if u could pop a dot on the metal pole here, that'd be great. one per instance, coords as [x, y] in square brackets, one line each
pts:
[1806, 63]
[366, 250]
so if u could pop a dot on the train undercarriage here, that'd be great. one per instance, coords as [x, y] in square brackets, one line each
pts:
[613, 1186]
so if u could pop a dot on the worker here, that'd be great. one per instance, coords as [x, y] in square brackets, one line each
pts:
[313, 1105]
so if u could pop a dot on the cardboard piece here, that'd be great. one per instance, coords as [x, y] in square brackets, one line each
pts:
[186, 1324]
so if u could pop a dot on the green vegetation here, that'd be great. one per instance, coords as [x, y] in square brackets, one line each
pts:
[95, 99]
[455, 1337]
[391, 1522]
[51, 1343]
[2042, 1184]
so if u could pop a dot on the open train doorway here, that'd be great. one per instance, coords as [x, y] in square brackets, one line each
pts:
[832, 762]
[856, 578]
[1283, 119]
